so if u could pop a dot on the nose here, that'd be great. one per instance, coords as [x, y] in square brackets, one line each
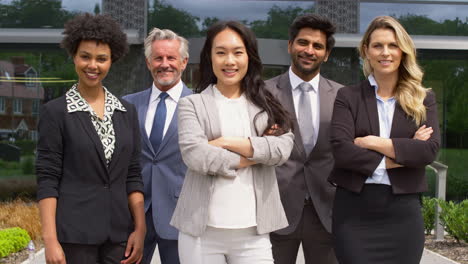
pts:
[385, 51]
[165, 63]
[92, 64]
[229, 59]
[310, 49]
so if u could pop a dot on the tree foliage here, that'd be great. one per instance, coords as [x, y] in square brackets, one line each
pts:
[33, 14]
[164, 15]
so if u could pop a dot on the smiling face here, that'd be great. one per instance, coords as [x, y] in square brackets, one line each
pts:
[92, 63]
[308, 51]
[383, 52]
[229, 59]
[165, 63]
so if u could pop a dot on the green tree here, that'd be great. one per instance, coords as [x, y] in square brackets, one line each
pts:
[34, 14]
[277, 24]
[97, 9]
[422, 25]
[164, 15]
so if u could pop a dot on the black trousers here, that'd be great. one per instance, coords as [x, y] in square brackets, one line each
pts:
[377, 226]
[107, 253]
[316, 241]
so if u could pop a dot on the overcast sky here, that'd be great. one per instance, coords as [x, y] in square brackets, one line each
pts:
[255, 10]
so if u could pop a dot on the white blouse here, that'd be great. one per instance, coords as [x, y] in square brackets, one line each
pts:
[232, 204]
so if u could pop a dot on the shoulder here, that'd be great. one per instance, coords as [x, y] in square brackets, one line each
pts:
[132, 97]
[275, 80]
[430, 97]
[333, 84]
[55, 106]
[355, 89]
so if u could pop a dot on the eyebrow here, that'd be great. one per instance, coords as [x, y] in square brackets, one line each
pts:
[87, 53]
[222, 47]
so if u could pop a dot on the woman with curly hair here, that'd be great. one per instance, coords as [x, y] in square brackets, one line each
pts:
[90, 189]
[384, 132]
[231, 136]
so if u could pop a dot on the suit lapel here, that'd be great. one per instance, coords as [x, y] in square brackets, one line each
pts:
[91, 131]
[212, 112]
[371, 106]
[286, 99]
[326, 102]
[118, 131]
[172, 129]
[142, 107]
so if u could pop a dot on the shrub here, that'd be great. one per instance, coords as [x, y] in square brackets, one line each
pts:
[27, 165]
[454, 217]
[428, 212]
[23, 214]
[13, 240]
[10, 165]
[27, 146]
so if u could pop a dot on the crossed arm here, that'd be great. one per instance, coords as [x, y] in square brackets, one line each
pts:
[385, 145]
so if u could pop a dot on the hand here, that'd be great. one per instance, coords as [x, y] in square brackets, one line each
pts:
[244, 162]
[272, 131]
[423, 133]
[365, 142]
[54, 253]
[134, 250]
[391, 164]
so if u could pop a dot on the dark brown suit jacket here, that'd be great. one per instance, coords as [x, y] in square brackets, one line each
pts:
[355, 115]
[301, 173]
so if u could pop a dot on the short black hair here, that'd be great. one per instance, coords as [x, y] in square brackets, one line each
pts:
[101, 28]
[313, 21]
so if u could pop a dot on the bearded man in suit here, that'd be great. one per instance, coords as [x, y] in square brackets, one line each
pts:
[306, 194]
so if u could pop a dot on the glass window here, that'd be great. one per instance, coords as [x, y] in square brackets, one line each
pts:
[35, 106]
[2, 105]
[17, 106]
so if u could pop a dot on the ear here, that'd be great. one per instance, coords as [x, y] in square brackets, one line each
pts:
[184, 63]
[148, 64]
[290, 43]
[327, 54]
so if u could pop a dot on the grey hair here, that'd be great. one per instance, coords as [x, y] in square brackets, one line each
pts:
[162, 34]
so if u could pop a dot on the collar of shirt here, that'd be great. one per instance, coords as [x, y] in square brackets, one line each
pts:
[219, 96]
[76, 103]
[296, 80]
[174, 93]
[374, 84]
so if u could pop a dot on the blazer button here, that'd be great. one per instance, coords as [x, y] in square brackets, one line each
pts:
[155, 162]
[106, 186]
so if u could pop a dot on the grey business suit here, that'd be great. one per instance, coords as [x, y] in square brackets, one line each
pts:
[199, 123]
[303, 174]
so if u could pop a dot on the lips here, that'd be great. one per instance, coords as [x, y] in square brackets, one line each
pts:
[385, 62]
[230, 72]
[91, 75]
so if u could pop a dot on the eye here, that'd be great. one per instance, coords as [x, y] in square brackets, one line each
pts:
[239, 52]
[102, 59]
[220, 52]
[318, 47]
[302, 42]
[394, 45]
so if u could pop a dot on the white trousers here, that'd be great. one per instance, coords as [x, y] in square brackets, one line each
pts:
[225, 246]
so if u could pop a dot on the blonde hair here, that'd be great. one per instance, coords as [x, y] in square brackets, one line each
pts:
[409, 92]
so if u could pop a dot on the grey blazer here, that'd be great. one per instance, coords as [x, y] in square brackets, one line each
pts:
[303, 174]
[199, 123]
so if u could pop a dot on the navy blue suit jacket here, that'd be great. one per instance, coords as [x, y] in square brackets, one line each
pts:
[163, 168]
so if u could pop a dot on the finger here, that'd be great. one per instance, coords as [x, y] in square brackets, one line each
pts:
[128, 249]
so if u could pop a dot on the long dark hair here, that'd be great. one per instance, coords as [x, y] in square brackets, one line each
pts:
[252, 84]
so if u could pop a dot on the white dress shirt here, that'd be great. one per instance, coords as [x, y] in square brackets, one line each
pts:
[171, 105]
[385, 109]
[314, 99]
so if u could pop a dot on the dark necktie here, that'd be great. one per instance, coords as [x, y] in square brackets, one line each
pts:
[305, 121]
[158, 122]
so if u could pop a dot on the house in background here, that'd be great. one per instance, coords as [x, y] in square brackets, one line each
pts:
[21, 94]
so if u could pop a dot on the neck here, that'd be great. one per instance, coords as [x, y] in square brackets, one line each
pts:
[306, 77]
[387, 84]
[91, 94]
[230, 91]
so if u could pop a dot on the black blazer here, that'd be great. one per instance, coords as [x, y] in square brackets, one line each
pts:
[92, 203]
[355, 115]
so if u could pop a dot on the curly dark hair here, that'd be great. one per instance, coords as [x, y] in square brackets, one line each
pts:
[252, 85]
[313, 21]
[101, 28]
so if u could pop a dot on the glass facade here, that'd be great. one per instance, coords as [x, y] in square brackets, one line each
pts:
[32, 74]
